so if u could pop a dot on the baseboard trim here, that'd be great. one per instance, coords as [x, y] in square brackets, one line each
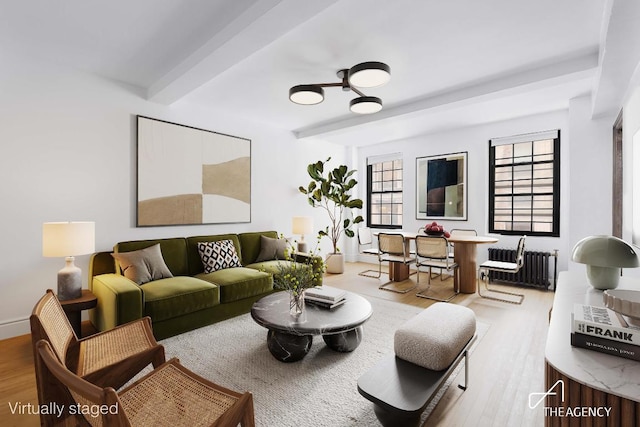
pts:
[14, 327]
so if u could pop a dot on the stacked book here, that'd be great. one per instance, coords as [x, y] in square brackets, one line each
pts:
[325, 297]
[604, 330]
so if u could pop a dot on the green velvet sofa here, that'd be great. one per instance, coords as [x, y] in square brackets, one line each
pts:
[192, 298]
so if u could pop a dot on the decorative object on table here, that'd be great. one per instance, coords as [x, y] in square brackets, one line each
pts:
[325, 297]
[209, 180]
[604, 256]
[434, 229]
[302, 225]
[296, 278]
[604, 323]
[331, 193]
[364, 75]
[603, 330]
[441, 187]
[68, 239]
[603, 345]
[624, 302]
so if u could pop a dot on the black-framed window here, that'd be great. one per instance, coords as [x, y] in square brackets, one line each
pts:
[524, 184]
[384, 192]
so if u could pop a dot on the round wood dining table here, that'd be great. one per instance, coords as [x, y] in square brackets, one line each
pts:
[465, 254]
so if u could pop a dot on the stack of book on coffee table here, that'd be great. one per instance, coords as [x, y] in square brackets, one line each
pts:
[604, 330]
[325, 297]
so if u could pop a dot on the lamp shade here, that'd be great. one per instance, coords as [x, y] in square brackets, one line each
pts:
[306, 94]
[604, 257]
[366, 105]
[302, 225]
[369, 74]
[63, 239]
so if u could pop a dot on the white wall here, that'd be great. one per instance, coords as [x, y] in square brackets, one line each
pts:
[591, 174]
[585, 174]
[631, 174]
[69, 153]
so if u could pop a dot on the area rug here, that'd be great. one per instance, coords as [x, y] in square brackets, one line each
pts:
[319, 390]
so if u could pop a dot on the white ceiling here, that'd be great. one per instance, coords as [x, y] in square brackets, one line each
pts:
[453, 63]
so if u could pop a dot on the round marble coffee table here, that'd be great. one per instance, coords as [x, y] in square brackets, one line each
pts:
[289, 338]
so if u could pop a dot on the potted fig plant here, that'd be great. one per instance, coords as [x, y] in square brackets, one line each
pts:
[331, 192]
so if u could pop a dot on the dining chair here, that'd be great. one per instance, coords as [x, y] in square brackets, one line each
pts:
[107, 359]
[504, 267]
[433, 252]
[458, 232]
[394, 248]
[169, 395]
[365, 247]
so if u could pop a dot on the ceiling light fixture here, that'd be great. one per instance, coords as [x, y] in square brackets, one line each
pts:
[366, 74]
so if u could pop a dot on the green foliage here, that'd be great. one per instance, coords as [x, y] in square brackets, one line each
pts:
[332, 193]
[295, 274]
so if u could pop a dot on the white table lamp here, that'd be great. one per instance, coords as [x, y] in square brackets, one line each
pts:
[68, 239]
[604, 257]
[302, 225]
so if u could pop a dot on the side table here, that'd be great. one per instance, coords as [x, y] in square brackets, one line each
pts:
[73, 309]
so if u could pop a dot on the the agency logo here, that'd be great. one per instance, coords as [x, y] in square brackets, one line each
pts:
[536, 399]
[557, 389]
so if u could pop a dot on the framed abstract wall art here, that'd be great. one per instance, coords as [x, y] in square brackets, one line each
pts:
[441, 187]
[191, 176]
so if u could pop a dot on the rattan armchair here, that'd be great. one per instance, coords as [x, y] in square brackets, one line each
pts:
[170, 395]
[107, 359]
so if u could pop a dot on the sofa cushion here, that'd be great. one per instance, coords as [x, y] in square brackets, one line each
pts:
[250, 244]
[272, 267]
[239, 283]
[173, 251]
[195, 262]
[218, 255]
[177, 296]
[271, 249]
[143, 265]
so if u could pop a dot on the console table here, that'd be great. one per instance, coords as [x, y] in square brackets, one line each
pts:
[590, 378]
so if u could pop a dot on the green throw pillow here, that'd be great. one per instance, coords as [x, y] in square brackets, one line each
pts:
[144, 265]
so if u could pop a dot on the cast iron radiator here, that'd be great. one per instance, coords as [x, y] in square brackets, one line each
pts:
[534, 272]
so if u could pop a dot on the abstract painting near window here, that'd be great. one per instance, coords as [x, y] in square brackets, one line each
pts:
[191, 176]
[441, 186]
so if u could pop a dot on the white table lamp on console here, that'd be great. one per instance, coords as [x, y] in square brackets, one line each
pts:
[604, 257]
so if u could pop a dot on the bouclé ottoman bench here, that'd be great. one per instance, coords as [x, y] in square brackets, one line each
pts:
[428, 348]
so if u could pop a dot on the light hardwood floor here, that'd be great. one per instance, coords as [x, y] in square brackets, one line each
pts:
[507, 364]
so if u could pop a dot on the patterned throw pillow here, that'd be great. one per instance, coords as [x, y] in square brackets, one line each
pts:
[218, 255]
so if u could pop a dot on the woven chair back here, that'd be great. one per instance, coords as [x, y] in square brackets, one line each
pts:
[391, 244]
[432, 247]
[83, 392]
[49, 322]
[463, 232]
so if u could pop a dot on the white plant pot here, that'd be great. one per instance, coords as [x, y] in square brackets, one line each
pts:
[335, 263]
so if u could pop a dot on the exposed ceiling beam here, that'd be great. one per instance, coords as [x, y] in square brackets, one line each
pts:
[619, 56]
[544, 75]
[255, 28]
